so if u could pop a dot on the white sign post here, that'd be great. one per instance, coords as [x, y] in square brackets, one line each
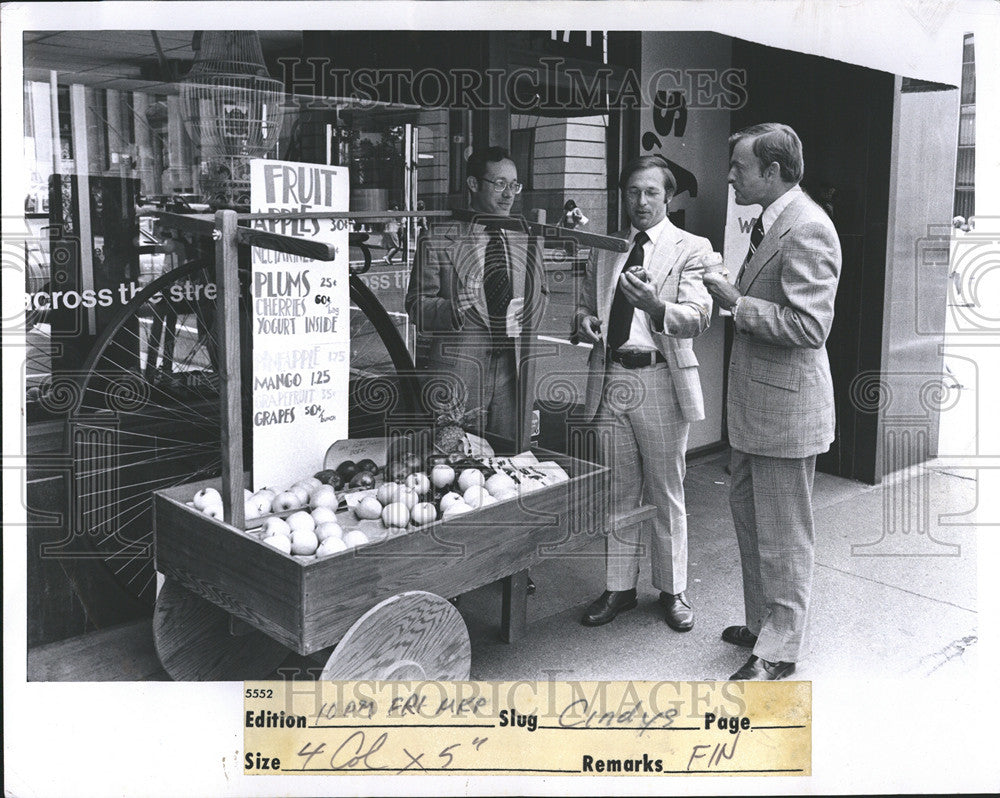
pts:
[301, 323]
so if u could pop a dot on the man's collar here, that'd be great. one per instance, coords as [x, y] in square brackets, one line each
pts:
[653, 232]
[771, 213]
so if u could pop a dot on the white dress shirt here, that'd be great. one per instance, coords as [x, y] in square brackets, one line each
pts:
[640, 336]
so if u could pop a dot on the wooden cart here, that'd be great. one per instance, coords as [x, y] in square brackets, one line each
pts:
[232, 607]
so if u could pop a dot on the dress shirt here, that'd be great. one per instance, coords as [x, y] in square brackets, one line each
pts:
[640, 335]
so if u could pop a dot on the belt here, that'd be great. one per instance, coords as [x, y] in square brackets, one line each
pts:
[635, 360]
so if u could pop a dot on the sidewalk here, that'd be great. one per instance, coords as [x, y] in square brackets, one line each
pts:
[895, 615]
[889, 616]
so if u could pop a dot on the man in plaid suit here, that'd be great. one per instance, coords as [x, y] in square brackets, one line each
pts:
[779, 407]
[640, 312]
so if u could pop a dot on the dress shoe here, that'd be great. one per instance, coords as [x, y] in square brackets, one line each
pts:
[756, 669]
[679, 615]
[607, 607]
[739, 636]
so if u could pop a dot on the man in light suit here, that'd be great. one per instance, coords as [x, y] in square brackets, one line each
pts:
[780, 403]
[643, 386]
[465, 278]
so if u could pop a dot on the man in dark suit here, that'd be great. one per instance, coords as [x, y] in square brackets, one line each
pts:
[469, 290]
[780, 410]
[643, 384]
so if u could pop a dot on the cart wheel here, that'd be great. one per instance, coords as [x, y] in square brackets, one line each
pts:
[145, 413]
[414, 635]
[196, 642]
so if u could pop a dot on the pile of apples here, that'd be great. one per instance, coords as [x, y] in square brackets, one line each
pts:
[310, 524]
[422, 498]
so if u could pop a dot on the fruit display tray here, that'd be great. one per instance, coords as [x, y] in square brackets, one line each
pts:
[309, 605]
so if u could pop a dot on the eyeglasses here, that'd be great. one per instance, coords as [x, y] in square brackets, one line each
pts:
[501, 185]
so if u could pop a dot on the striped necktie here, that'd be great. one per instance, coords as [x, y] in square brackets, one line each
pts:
[756, 236]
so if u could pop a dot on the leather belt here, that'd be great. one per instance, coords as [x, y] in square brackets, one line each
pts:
[635, 360]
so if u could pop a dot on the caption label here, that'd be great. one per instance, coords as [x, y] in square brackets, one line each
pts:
[566, 728]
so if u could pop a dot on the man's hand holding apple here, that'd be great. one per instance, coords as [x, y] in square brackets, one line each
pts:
[722, 291]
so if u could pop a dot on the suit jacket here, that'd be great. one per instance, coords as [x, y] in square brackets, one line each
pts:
[675, 271]
[780, 400]
[445, 297]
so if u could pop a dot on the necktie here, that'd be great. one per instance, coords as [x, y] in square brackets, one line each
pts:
[496, 283]
[622, 311]
[756, 236]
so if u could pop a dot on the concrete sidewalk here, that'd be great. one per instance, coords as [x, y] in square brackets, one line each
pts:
[876, 608]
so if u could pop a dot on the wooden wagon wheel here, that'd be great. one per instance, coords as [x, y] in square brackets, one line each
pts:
[412, 636]
[197, 641]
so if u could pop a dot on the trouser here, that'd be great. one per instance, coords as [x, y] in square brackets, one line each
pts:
[642, 438]
[771, 502]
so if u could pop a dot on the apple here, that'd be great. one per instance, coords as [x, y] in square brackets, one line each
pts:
[639, 273]
[301, 520]
[476, 496]
[247, 493]
[423, 513]
[363, 479]
[329, 529]
[268, 492]
[252, 509]
[409, 497]
[388, 492]
[214, 511]
[412, 462]
[500, 481]
[207, 497]
[396, 471]
[449, 499]
[332, 545]
[330, 477]
[301, 493]
[262, 501]
[368, 465]
[442, 476]
[276, 526]
[280, 542]
[323, 515]
[419, 482]
[355, 537]
[456, 508]
[368, 509]
[396, 514]
[310, 482]
[347, 470]
[304, 541]
[324, 496]
[284, 502]
[470, 477]
[503, 494]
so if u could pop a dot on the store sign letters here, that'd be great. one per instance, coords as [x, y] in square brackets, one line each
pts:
[300, 323]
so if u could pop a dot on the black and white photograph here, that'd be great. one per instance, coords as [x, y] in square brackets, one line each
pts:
[511, 347]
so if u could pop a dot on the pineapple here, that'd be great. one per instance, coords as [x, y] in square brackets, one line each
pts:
[449, 430]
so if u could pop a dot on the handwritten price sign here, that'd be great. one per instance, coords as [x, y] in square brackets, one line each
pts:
[582, 728]
[301, 334]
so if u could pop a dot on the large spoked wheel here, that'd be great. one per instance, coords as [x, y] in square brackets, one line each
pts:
[146, 414]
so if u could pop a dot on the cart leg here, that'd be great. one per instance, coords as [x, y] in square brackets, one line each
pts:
[514, 612]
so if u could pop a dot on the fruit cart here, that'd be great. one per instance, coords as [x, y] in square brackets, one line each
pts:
[232, 607]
